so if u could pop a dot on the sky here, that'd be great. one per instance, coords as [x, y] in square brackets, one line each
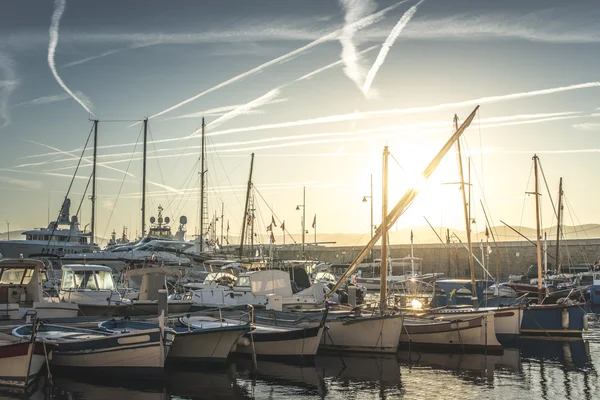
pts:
[316, 89]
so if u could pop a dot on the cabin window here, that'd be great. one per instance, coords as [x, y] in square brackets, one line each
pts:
[243, 281]
[16, 276]
[67, 280]
[93, 280]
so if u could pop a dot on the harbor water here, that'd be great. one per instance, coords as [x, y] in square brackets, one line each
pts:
[536, 369]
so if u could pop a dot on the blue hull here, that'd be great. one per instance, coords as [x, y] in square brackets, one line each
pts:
[547, 320]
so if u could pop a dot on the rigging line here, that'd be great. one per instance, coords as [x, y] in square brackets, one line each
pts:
[548, 189]
[70, 186]
[83, 197]
[394, 158]
[275, 215]
[189, 180]
[569, 209]
[227, 176]
[122, 182]
[159, 168]
[481, 152]
[525, 198]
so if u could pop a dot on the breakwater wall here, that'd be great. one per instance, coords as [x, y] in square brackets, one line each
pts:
[452, 258]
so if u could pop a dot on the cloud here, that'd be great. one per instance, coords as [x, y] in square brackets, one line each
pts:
[22, 182]
[588, 126]
[218, 111]
[7, 86]
[59, 9]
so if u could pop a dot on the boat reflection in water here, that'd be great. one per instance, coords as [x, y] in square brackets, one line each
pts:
[96, 389]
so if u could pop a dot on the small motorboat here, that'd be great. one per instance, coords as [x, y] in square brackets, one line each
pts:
[141, 353]
[208, 340]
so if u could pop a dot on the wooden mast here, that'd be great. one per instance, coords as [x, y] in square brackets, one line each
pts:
[93, 222]
[537, 227]
[559, 217]
[245, 221]
[202, 164]
[144, 179]
[383, 270]
[466, 207]
[404, 202]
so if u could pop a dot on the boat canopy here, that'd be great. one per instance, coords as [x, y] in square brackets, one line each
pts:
[270, 281]
[91, 277]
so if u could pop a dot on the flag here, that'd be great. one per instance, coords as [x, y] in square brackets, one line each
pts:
[270, 228]
[249, 219]
[273, 221]
[314, 221]
[227, 226]
[272, 237]
[283, 228]
[411, 235]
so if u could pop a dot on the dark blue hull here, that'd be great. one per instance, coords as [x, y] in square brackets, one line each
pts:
[553, 320]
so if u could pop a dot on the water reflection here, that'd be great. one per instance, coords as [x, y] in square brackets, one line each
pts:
[543, 369]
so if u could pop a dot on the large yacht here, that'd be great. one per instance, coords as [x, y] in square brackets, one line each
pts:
[61, 237]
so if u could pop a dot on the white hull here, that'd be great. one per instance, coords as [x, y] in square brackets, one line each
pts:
[204, 346]
[366, 334]
[25, 248]
[136, 357]
[42, 309]
[507, 321]
[477, 333]
[306, 347]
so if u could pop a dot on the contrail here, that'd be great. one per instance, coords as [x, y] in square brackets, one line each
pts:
[385, 48]
[362, 23]
[7, 86]
[262, 100]
[374, 114]
[59, 9]
[354, 10]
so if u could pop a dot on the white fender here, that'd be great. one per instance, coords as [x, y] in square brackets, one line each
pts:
[565, 319]
[585, 322]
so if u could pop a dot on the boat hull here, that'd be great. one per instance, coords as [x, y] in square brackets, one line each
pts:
[297, 342]
[507, 320]
[211, 346]
[553, 320]
[475, 334]
[378, 334]
[20, 363]
[140, 353]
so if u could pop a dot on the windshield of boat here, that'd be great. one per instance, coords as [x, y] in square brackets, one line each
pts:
[93, 280]
[16, 276]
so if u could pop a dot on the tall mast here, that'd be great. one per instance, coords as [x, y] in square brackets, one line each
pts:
[144, 179]
[245, 220]
[537, 227]
[467, 218]
[93, 222]
[222, 220]
[383, 270]
[202, 163]
[412, 254]
[559, 217]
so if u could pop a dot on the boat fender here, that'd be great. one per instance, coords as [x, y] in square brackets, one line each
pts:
[565, 319]
[585, 322]
[244, 342]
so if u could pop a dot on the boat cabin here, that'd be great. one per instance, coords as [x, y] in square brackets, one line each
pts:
[261, 283]
[87, 283]
[20, 281]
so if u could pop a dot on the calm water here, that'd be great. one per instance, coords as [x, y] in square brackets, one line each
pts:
[540, 369]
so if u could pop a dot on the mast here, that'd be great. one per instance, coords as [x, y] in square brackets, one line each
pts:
[245, 221]
[144, 178]
[559, 217]
[222, 218]
[383, 270]
[202, 163]
[467, 217]
[412, 255]
[537, 226]
[405, 201]
[93, 222]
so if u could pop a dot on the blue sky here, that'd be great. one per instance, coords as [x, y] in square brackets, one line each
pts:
[127, 60]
